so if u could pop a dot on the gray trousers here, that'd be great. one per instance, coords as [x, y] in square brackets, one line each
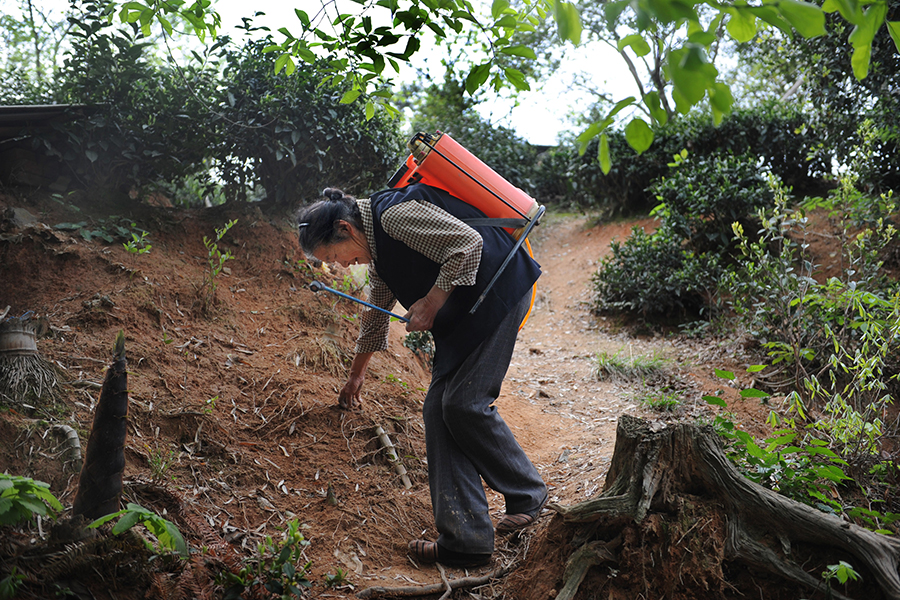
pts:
[467, 440]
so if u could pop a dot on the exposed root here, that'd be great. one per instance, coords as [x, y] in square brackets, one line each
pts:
[683, 511]
[27, 378]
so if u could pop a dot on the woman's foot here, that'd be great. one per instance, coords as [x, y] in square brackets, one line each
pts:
[430, 552]
[510, 523]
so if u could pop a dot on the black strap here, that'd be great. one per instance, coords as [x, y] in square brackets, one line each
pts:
[489, 222]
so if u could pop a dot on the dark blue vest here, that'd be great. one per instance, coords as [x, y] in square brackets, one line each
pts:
[410, 275]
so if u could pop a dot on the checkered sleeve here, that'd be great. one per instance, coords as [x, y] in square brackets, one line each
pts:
[438, 235]
[374, 325]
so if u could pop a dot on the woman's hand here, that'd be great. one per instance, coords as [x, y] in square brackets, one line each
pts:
[348, 398]
[421, 314]
[349, 395]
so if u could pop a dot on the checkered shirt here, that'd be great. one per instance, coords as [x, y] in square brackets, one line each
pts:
[434, 233]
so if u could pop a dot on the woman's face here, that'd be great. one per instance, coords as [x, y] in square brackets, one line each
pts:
[354, 250]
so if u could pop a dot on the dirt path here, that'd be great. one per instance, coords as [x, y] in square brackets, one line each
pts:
[562, 415]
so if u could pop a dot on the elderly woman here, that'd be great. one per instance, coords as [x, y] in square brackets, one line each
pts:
[420, 251]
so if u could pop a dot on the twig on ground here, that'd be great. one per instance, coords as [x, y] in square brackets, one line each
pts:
[433, 588]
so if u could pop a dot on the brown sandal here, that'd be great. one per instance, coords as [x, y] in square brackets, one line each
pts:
[510, 523]
[430, 552]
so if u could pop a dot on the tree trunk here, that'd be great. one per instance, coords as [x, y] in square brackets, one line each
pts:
[689, 523]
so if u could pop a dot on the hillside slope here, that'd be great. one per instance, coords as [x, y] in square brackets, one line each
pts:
[233, 425]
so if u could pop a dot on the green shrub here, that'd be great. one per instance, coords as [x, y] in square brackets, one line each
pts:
[654, 275]
[292, 136]
[799, 462]
[703, 196]
[136, 108]
[674, 271]
[775, 133]
[833, 344]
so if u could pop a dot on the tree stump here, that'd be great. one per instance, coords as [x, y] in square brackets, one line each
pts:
[677, 519]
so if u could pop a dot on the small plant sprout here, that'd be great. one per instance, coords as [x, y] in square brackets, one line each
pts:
[336, 579]
[842, 571]
[216, 260]
[9, 585]
[166, 532]
[138, 244]
[160, 462]
[278, 567]
[618, 368]
[661, 400]
[210, 405]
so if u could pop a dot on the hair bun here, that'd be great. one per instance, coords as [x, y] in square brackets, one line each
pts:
[333, 193]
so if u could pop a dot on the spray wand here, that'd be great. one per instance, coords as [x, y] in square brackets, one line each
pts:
[318, 287]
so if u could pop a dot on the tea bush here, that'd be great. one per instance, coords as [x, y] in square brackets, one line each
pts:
[291, 134]
[654, 275]
[775, 133]
[673, 272]
[224, 125]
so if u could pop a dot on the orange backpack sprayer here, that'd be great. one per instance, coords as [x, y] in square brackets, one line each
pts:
[439, 161]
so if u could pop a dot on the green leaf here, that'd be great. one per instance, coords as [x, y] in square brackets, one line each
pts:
[621, 104]
[753, 393]
[603, 154]
[304, 18]
[281, 61]
[807, 19]
[523, 51]
[290, 67]
[350, 96]
[177, 542]
[477, 76]
[517, 78]
[770, 15]
[724, 374]
[370, 110]
[651, 100]
[862, 56]
[715, 400]
[691, 73]
[849, 9]
[756, 368]
[105, 519]
[568, 21]
[639, 135]
[128, 520]
[497, 8]
[741, 25]
[781, 440]
[721, 100]
[894, 30]
[752, 448]
[33, 505]
[590, 133]
[636, 42]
